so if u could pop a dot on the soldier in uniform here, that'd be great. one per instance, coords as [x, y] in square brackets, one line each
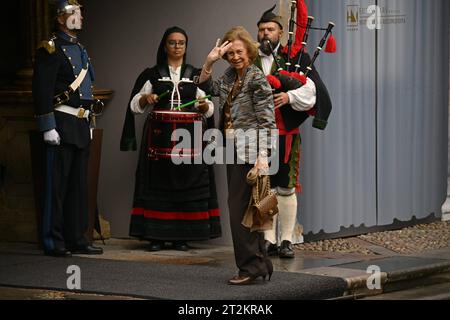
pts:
[292, 108]
[62, 90]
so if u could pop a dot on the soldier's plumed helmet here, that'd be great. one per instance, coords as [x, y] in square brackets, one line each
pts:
[66, 6]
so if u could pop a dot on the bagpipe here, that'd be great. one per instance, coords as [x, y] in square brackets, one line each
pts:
[284, 80]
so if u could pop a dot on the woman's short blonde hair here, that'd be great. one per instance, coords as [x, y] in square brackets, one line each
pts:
[240, 33]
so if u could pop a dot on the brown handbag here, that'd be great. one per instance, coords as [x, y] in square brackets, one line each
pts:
[266, 203]
[263, 204]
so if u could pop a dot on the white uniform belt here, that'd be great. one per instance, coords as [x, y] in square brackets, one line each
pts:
[77, 112]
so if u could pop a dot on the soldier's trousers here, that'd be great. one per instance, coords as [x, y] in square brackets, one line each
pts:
[65, 214]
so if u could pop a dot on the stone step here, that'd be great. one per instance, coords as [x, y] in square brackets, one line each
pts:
[397, 274]
[419, 291]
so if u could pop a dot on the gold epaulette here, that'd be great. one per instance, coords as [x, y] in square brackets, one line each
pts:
[48, 45]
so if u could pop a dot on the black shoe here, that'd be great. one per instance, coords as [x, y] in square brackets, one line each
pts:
[180, 246]
[248, 280]
[59, 253]
[271, 249]
[156, 245]
[89, 250]
[286, 250]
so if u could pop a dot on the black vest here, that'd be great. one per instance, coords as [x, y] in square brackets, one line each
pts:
[188, 91]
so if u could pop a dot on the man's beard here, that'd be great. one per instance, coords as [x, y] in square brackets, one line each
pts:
[266, 48]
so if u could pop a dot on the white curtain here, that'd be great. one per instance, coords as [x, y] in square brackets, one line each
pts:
[384, 153]
[413, 107]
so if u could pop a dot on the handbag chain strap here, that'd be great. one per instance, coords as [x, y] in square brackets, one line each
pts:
[260, 178]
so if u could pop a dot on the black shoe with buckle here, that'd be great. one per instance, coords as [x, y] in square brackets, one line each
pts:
[271, 249]
[286, 250]
[88, 250]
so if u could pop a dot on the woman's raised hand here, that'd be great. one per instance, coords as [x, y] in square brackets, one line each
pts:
[218, 51]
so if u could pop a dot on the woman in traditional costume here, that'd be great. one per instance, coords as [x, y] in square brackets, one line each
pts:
[172, 203]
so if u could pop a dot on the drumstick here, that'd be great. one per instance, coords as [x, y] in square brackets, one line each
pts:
[162, 95]
[192, 102]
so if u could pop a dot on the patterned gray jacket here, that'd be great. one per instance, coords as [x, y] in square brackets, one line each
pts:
[253, 110]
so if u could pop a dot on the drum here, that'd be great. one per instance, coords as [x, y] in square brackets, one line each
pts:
[163, 125]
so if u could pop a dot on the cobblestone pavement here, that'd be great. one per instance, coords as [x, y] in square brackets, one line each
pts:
[335, 246]
[411, 240]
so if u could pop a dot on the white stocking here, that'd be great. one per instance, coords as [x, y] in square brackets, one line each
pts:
[287, 216]
[271, 235]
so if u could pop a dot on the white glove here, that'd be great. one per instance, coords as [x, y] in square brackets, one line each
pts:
[52, 137]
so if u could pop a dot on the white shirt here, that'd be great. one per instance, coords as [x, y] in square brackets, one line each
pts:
[301, 99]
[147, 89]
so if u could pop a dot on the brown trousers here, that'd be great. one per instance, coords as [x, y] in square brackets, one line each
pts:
[249, 249]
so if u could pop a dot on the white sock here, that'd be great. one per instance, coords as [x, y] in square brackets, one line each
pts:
[287, 216]
[271, 235]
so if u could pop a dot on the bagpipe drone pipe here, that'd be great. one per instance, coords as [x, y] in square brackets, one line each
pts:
[284, 80]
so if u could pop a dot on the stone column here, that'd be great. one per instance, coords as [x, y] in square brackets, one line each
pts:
[17, 209]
